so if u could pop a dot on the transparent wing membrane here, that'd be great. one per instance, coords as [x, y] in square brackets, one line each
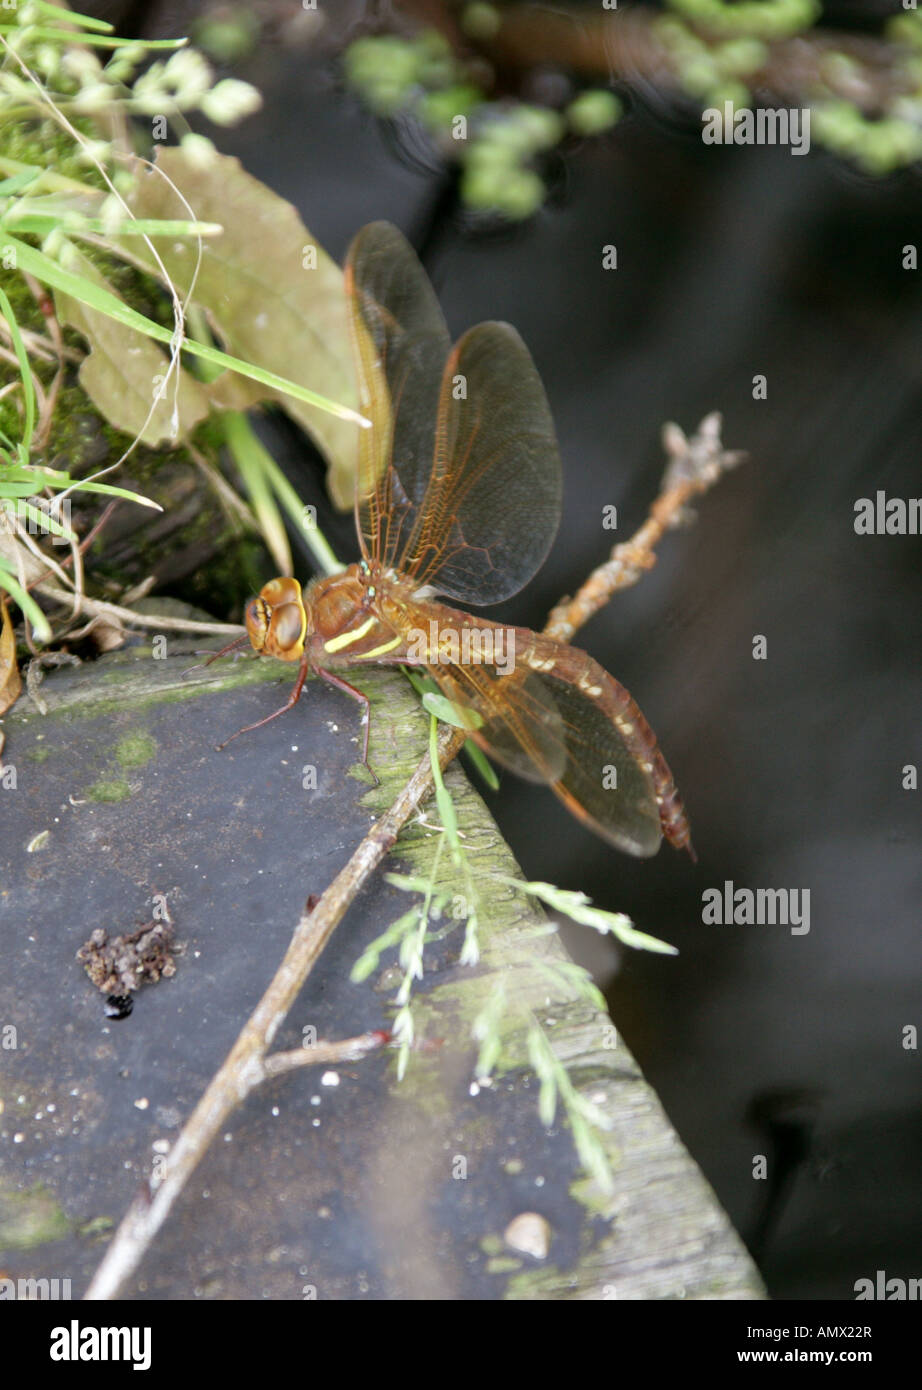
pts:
[459, 480]
[560, 718]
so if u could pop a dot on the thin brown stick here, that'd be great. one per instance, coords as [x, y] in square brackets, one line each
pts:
[247, 1065]
[98, 608]
[327, 1053]
[35, 346]
[46, 416]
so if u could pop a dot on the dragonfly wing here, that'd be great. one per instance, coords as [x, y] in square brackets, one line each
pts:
[594, 748]
[459, 480]
[492, 504]
[400, 345]
[519, 722]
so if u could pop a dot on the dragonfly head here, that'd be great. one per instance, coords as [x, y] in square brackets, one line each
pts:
[276, 620]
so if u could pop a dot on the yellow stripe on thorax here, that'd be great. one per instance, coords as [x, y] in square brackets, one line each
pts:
[346, 639]
[379, 651]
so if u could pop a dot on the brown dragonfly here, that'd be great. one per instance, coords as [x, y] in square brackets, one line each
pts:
[458, 495]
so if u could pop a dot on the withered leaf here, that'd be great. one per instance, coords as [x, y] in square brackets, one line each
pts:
[10, 679]
[274, 296]
[125, 369]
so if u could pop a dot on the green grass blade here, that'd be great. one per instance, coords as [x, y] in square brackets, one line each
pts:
[443, 799]
[80, 21]
[51, 273]
[314, 539]
[482, 763]
[16, 182]
[18, 594]
[93, 40]
[250, 456]
[42, 223]
[28, 389]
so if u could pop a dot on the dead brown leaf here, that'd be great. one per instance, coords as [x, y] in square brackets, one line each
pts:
[10, 679]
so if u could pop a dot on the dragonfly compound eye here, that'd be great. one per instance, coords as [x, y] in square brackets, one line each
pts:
[256, 617]
[285, 638]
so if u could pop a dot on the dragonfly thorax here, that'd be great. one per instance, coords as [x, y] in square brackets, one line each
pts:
[346, 620]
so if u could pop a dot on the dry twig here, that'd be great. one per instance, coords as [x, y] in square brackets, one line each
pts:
[694, 466]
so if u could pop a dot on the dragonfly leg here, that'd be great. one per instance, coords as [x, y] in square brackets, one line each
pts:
[213, 656]
[363, 700]
[292, 700]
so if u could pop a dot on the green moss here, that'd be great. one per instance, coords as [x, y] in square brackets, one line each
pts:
[589, 1194]
[97, 1226]
[360, 773]
[30, 1218]
[111, 790]
[135, 750]
[150, 698]
[533, 1284]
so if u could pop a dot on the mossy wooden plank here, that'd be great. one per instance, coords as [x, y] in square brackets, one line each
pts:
[350, 1185]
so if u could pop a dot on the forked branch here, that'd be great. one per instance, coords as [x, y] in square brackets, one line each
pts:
[694, 466]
